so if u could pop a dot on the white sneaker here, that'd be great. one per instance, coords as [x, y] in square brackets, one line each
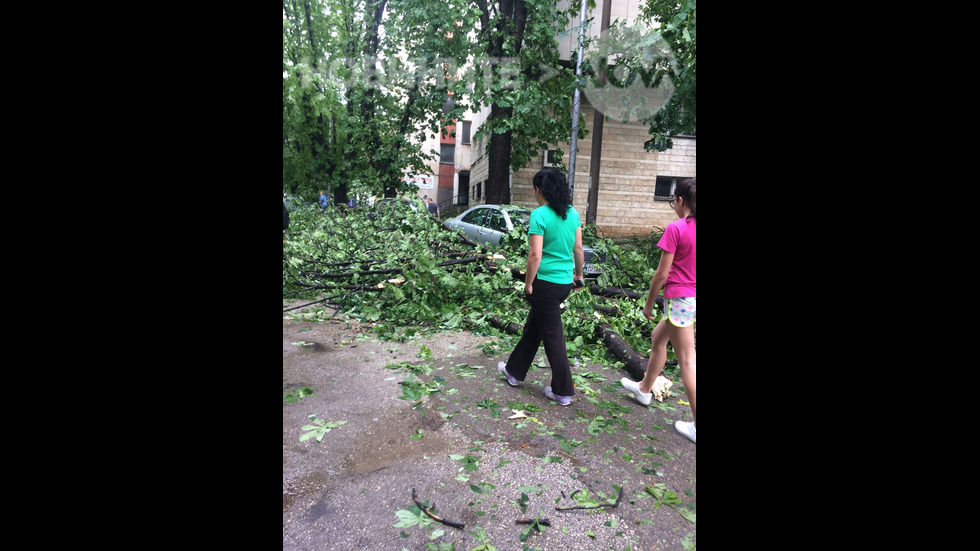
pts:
[634, 387]
[688, 430]
[502, 367]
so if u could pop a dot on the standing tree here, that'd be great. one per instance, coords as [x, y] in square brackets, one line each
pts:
[348, 109]
[365, 80]
[379, 118]
[310, 106]
[528, 90]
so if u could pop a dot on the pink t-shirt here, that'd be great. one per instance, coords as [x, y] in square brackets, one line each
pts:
[681, 239]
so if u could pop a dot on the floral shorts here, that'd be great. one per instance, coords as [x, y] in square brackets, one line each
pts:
[681, 311]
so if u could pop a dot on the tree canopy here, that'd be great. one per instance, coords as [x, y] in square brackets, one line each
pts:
[366, 81]
[678, 27]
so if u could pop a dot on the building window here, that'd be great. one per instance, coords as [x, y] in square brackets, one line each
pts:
[665, 187]
[466, 132]
[551, 157]
[447, 153]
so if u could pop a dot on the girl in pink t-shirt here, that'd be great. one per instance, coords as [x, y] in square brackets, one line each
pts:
[677, 275]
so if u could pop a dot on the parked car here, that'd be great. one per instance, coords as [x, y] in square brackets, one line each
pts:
[489, 223]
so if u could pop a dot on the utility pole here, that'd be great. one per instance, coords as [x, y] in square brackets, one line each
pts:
[592, 203]
[576, 101]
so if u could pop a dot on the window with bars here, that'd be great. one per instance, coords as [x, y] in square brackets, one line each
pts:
[665, 187]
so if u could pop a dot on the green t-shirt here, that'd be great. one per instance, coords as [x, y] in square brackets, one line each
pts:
[557, 262]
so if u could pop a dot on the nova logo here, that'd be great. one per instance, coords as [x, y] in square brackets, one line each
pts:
[626, 73]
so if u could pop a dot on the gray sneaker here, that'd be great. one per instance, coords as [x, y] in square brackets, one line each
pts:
[502, 367]
[562, 400]
[634, 387]
[688, 430]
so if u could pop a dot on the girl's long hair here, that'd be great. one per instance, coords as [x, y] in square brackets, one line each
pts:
[689, 191]
[554, 187]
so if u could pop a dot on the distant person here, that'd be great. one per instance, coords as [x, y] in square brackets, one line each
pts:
[554, 264]
[433, 208]
[324, 200]
[677, 275]
[351, 202]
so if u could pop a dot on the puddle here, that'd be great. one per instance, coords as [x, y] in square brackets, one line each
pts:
[389, 441]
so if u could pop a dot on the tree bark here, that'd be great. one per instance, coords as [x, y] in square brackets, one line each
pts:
[510, 21]
[636, 365]
[614, 292]
[498, 182]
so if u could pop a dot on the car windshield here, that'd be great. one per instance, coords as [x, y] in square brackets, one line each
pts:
[522, 217]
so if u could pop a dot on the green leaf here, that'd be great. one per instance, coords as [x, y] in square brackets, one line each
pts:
[411, 517]
[522, 502]
[688, 514]
[318, 428]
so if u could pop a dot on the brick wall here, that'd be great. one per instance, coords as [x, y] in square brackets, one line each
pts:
[627, 179]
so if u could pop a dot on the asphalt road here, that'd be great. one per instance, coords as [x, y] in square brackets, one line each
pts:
[458, 449]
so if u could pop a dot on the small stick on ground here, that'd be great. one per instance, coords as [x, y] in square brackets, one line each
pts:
[542, 521]
[611, 505]
[432, 516]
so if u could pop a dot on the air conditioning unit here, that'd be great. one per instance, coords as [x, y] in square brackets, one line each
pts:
[551, 157]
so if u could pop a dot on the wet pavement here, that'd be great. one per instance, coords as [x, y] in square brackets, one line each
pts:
[458, 448]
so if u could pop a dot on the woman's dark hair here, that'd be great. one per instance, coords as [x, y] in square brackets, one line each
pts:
[554, 187]
[689, 191]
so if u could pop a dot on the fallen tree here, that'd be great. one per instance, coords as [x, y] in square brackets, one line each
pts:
[636, 365]
[398, 269]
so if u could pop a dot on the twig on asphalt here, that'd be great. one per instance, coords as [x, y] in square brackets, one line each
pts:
[542, 521]
[618, 498]
[432, 516]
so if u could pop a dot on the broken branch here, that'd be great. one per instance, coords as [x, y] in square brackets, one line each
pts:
[506, 326]
[614, 292]
[542, 521]
[611, 505]
[432, 516]
[636, 365]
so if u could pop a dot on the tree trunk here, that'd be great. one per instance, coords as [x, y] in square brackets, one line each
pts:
[498, 184]
[511, 19]
[636, 365]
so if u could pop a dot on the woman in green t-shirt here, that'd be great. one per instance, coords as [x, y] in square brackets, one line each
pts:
[555, 263]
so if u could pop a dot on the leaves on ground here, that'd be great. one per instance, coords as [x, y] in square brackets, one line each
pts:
[319, 428]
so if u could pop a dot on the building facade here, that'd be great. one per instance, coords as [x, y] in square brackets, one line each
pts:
[634, 185]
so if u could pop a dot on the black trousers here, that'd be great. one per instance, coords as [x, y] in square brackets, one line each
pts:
[544, 324]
